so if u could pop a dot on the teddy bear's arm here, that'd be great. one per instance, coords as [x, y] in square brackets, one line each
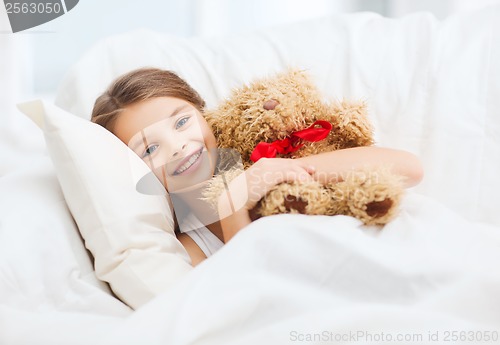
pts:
[335, 165]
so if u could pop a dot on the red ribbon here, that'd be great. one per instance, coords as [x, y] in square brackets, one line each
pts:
[289, 144]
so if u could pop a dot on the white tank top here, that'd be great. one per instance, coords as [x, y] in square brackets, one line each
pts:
[204, 238]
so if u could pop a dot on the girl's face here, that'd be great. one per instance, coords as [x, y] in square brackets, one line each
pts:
[172, 137]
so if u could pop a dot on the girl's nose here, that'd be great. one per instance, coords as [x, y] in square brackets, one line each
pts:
[177, 152]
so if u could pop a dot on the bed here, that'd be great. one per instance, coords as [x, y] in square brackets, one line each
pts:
[432, 275]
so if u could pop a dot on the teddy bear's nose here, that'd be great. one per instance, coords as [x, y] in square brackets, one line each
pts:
[271, 104]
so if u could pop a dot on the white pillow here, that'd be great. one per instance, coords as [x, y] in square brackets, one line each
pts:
[129, 234]
[43, 263]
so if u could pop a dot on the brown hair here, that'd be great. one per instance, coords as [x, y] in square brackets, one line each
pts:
[139, 85]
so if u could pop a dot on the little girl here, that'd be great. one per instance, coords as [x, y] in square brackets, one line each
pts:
[160, 117]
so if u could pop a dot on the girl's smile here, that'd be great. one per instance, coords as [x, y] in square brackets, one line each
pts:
[189, 164]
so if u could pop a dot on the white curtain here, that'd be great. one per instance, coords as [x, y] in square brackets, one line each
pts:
[37, 60]
[221, 17]
[16, 80]
[8, 81]
[440, 8]
[15, 68]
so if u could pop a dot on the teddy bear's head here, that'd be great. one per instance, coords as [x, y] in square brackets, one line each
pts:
[277, 110]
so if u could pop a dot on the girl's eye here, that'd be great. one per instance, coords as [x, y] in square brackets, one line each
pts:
[181, 122]
[149, 150]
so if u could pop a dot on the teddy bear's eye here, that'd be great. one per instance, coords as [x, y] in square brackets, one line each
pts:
[243, 107]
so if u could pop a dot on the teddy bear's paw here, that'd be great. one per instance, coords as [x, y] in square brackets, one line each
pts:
[295, 204]
[290, 204]
[374, 207]
[378, 209]
[294, 197]
[373, 196]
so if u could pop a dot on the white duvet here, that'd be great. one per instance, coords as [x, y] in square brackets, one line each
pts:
[293, 277]
[431, 276]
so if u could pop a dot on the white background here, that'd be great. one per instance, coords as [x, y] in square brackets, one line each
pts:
[33, 62]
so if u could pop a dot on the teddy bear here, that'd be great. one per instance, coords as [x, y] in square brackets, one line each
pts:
[285, 115]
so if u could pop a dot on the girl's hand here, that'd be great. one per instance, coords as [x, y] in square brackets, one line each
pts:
[268, 172]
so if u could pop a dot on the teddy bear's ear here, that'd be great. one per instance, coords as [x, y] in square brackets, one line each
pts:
[353, 126]
[295, 71]
[295, 75]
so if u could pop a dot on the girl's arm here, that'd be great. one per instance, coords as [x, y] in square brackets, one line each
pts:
[234, 223]
[195, 252]
[335, 165]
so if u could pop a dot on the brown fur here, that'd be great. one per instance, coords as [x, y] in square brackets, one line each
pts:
[270, 109]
